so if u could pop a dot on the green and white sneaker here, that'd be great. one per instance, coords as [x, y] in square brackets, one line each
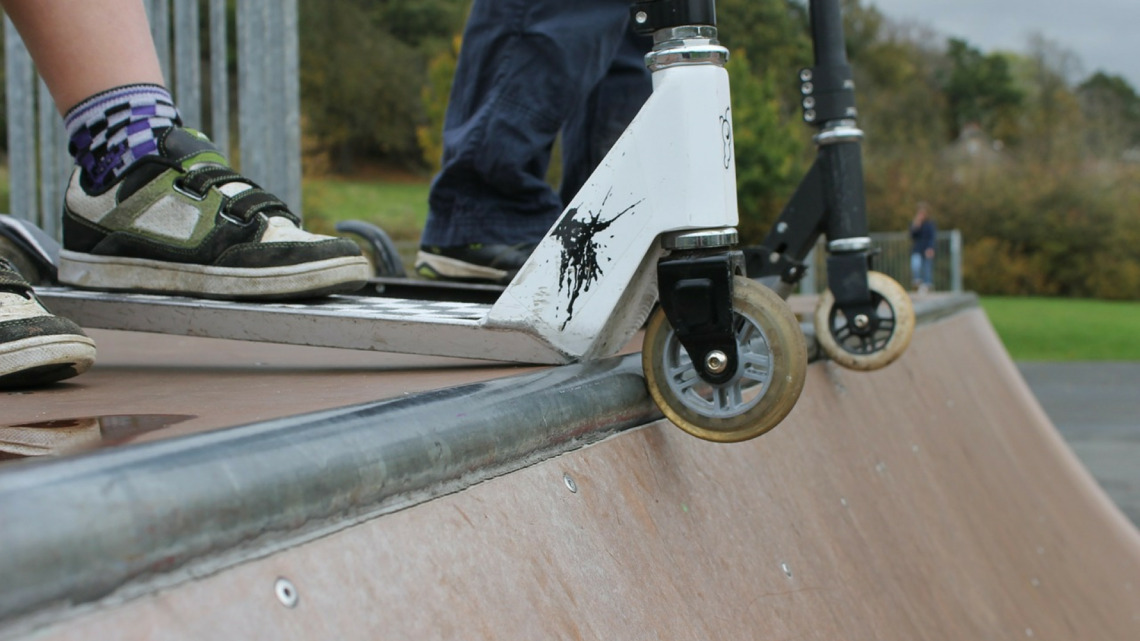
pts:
[183, 222]
[36, 347]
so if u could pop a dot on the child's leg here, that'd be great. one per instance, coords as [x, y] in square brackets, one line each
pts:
[152, 206]
[82, 48]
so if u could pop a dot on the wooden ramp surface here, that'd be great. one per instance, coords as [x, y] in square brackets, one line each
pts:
[214, 383]
[929, 500]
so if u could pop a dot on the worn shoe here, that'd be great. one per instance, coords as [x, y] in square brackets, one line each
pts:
[36, 347]
[182, 221]
[473, 263]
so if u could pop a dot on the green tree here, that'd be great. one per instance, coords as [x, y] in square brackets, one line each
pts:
[768, 147]
[424, 24]
[774, 33]
[363, 64]
[772, 30]
[896, 76]
[1111, 111]
[900, 102]
[435, 96]
[980, 88]
[1051, 116]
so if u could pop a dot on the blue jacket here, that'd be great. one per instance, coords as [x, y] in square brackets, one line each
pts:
[922, 237]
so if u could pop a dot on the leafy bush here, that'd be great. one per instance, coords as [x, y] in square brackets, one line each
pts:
[363, 64]
[768, 148]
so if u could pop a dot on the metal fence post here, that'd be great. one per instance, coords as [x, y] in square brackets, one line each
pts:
[20, 101]
[291, 103]
[54, 161]
[251, 94]
[219, 77]
[187, 63]
[158, 12]
[268, 97]
[808, 283]
[955, 260]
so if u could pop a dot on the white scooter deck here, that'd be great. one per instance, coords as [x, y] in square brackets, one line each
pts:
[355, 322]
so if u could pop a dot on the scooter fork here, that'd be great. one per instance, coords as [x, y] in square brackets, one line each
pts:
[724, 357]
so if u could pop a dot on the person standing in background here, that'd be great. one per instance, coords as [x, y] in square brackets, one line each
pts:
[922, 235]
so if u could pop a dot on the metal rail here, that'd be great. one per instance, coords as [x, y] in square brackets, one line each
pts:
[893, 259]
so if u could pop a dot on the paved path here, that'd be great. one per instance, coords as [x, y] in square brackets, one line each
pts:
[1096, 407]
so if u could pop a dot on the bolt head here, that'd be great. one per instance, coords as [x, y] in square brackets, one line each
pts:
[716, 361]
[862, 321]
[286, 592]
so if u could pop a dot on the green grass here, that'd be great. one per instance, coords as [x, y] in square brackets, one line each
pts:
[397, 207]
[5, 190]
[1061, 329]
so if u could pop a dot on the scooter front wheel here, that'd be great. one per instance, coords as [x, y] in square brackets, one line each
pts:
[768, 381]
[867, 344]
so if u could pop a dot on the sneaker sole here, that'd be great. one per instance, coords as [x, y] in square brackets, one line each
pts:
[318, 278]
[44, 359]
[438, 267]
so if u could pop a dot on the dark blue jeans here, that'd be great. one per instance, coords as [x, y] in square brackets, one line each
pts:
[527, 70]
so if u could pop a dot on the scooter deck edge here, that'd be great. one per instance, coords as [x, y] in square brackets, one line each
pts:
[432, 328]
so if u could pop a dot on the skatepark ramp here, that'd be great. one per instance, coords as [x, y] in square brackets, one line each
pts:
[929, 500]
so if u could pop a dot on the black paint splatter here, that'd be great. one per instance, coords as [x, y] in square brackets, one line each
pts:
[580, 268]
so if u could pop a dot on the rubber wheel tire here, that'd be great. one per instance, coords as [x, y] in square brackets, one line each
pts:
[773, 366]
[885, 346]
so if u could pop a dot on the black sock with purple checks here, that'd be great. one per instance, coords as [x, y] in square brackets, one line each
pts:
[113, 128]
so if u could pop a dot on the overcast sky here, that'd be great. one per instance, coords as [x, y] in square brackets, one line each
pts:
[1104, 34]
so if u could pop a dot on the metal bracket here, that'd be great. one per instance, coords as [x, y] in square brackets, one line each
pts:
[828, 93]
[649, 16]
[696, 295]
[783, 250]
[847, 279]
